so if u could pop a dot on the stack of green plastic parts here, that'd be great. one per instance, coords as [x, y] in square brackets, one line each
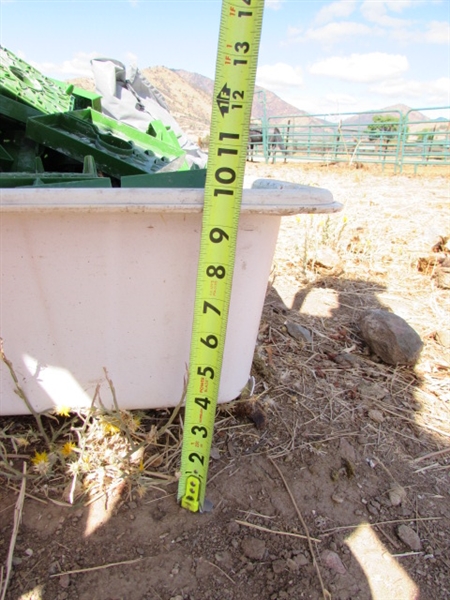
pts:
[54, 135]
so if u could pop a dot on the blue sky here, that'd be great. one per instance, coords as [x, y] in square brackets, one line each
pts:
[322, 57]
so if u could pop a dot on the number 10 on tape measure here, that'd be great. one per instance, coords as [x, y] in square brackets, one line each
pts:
[237, 57]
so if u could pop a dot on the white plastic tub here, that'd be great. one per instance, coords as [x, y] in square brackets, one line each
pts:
[105, 278]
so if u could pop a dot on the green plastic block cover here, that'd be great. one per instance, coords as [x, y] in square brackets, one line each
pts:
[118, 149]
[16, 111]
[40, 178]
[22, 82]
[81, 98]
[178, 179]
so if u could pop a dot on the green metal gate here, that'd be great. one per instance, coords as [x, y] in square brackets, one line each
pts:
[418, 137]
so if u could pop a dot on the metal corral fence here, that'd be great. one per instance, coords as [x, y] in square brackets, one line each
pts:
[419, 137]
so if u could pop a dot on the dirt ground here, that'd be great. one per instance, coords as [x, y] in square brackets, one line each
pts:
[332, 480]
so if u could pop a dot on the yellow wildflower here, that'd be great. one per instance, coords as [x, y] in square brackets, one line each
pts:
[41, 462]
[110, 428]
[68, 448]
[39, 457]
[62, 410]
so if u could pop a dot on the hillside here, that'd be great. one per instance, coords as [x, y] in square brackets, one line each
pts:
[274, 105]
[189, 104]
[393, 110]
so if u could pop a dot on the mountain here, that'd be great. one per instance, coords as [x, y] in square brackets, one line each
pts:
[264, 101]
[189, 104]
[394, 110]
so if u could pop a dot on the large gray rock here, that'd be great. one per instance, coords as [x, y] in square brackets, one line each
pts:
[390, 337]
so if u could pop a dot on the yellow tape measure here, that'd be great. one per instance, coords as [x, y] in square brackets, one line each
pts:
[237, 57]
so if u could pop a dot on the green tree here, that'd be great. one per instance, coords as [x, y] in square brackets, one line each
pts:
[383, 127]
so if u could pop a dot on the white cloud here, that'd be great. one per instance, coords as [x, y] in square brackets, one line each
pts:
[376, 11]
[279, 76]
[335, 10]
[79, 66]
[362, 68]
[334, 32]
[435, 92]
[438, 32]
[332, 103]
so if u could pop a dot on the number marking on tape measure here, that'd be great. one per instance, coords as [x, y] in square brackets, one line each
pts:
[237, 57]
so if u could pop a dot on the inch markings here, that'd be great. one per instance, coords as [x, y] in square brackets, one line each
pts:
[237, 56]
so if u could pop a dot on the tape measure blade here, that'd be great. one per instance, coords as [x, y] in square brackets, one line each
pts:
[240, 30]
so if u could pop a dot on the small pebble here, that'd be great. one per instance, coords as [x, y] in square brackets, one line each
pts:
[292, 565]
[337, 498]
[376, 415]
[253, 548]
[215, 453]
[298, 332]
[64, 581]
[278, 566]
[397, 495]
[409, 537]
[331, 560]
[301, 560]
[347, 451]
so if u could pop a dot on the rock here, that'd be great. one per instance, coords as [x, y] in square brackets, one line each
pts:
[292, 565]
[64, 581]
[397, 495]
[373, 507]
[301, 560]
[327, 259]
[337, 498]
[253, 548]
[409, 537]
[233, 527]
[214, 453]
[376, 415]
[372, 391]
[331, 560]
[346, 450]
[278, 566]
[298, 332]
[390, 337]
[346, 359]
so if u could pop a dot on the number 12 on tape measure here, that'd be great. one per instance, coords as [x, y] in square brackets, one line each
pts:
[237, 57]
